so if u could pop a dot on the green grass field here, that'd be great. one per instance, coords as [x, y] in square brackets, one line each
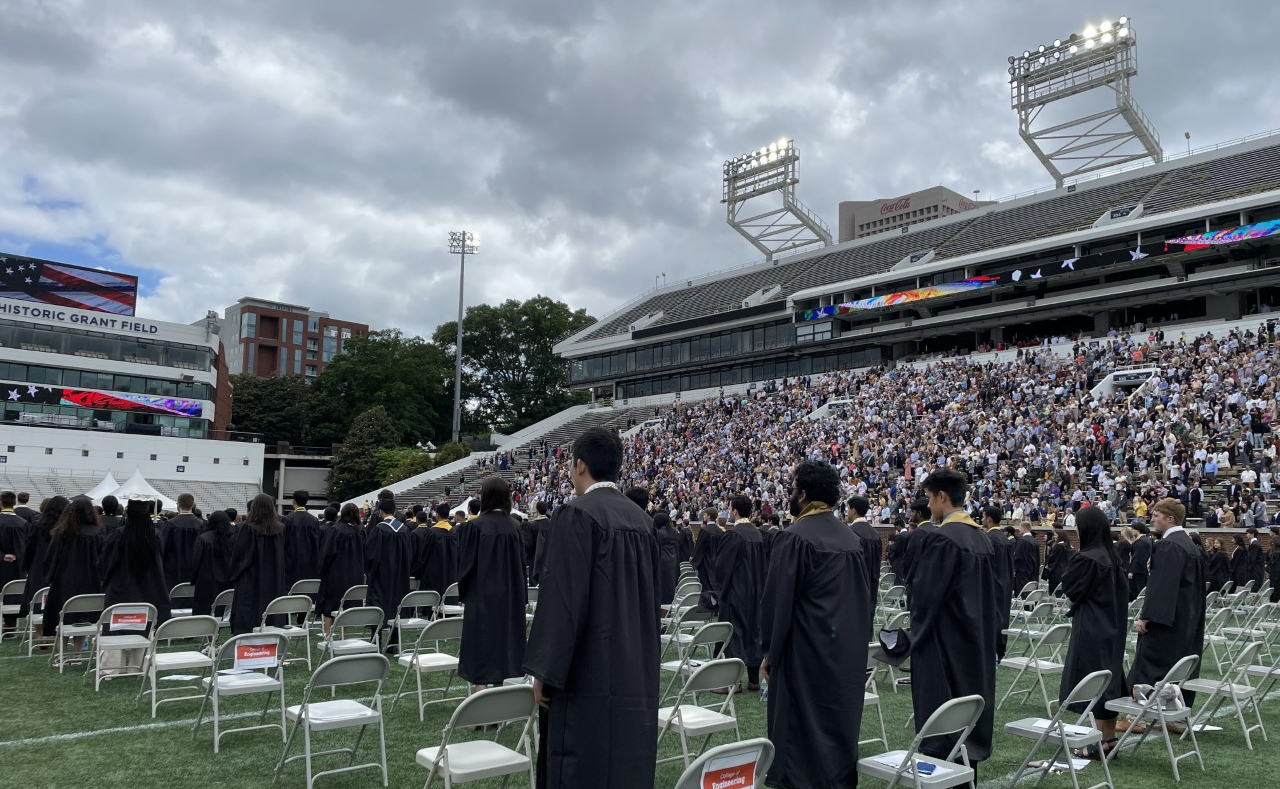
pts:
[56, 732]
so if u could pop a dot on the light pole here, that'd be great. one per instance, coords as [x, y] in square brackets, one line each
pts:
[461, 244]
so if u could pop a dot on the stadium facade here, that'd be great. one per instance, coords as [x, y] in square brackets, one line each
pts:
[1192, 237]
[862, 218]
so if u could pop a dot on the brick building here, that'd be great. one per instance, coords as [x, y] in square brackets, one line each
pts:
[862, 218]
[264, 338]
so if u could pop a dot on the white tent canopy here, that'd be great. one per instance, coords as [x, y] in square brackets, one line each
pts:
[461, 508]
[105, 488]
[138, 488]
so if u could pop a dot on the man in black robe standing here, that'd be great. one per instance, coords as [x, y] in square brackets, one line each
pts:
[301, 541]
[1026, 558]
[923, 523]
[740, 569]
[388, 559]
[815, 615]
[1171, 623]
[1139, 562]
[955, 613]
[1004, 572]
[1255, 561]
[704, 554]
[178, 541]
[13, 541]
[872, 548]
[593, 648]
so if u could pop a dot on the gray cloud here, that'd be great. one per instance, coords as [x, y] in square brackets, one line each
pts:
[319, 152]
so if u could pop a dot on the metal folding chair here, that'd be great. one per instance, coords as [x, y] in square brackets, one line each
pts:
[956, 716]
[121, 627]
[183, 628]
[256, 666]
[1149, 713]
[728, 764]
[1045, 659]
[692, 720]
[290, 606]
[1234, 686]
[79, 604]
[1066, 737]
[477, 760]
[423, 660]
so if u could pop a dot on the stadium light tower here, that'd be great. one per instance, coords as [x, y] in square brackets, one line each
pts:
[461, 244]
[770, 172]
[1104, 56]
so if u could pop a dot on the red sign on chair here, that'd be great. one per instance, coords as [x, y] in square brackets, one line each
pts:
[129, 619]
[732, 772]
[257, 653]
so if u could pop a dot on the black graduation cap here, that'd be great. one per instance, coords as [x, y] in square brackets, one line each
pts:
[895, 647]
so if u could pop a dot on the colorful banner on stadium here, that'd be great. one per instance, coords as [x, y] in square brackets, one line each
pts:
[100, 401]
[65, 285]
[902, 297]
[1232, 236]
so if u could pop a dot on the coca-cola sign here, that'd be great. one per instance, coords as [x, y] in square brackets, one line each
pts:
[901, 205]
[965, 205]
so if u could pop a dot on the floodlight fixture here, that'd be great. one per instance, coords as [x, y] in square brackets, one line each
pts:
[776, 220]
[1099, 57]
[461, 243]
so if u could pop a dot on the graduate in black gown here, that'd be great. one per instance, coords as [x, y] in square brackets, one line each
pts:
[435, 553]
[111, 518]
[178, 541]
[1171, 623]
[1140, 562]
[1057, 555]
[704, 554]
[388, 561]
[685, 542]
[131, 567]
[1218, 569]
[301, 541]
[72, 562]
[955, 614]
[1239, 564]
[816, 611]
[1255, 559]
[341, 561]
[1026, 558]
[257, 566]
[1003, 562]
[35, 558]
[923, 524]
[535, 533]
[897, 552]
[493, 590]
[740, 569]
[1273, 564]
[668, 556]
[593, 648]
[1098, 589]
[868, 539]
[211, 562]
[13, 540]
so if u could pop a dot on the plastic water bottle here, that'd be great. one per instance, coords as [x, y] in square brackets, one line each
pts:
[764, 689]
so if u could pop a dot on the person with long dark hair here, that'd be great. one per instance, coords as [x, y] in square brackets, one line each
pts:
[72, 562]
[131, 565]
[211, 561]
[493, 590]
[341, 561]
[257, 568]
[1239, 564]
[1219, 566]
[35, 555]
[668, 558]
[1098, 589]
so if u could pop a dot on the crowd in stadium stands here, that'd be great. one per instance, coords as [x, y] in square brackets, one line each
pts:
[1027, 432]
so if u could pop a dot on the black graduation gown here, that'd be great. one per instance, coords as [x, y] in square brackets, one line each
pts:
[1273, 568]
[897, 554]
[13, 542]
[35, 561]
[435, 558]
[493, 590]
[1002, 559]
[1256, 561]
[1173, 611]
[532, 533]
[210, 572]
[1055, 564]
[740, 572]
[388, 562]
[1096, 585]
[816, 612]
[1239, 568]
[872, 548]
[668, 563]
[121, 586]
[111, 523]
[301, 546]
[684, 544]
[1139, 565]
[540, 528]
[1219, 570]
[1026, 561]
[594, 645]
[177, 546]
[955, 614]
[704, 556]
[912, 552]
[341, 565]
[257, 574]
[72, 566]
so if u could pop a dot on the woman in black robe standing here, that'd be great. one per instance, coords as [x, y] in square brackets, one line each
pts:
[131, 566]
[1098, 589]
[341, 562]
[493, 590]
[1219, 566]
[257, 569]
[35, 556]
[72, 562]
[1239, 564]
[1056, 557]
[211, 561]
[668, 559]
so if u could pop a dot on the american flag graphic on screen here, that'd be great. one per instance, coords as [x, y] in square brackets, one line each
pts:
[65, 285]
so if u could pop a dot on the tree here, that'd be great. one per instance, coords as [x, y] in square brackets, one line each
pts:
[454, 450]
[511, 372]
[408, 376]
[355, 465]
[401, 463]
[276, 407]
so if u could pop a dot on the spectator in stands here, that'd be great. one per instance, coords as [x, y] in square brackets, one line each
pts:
[131, 566]
[342, 562]
[178, 539]
[257, 568]
[36, 558]
[211, 561]
[72, 563]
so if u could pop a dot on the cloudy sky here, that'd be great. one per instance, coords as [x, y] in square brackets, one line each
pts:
[319, 152]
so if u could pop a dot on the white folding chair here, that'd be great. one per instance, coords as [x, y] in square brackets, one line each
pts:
[1150, 712]
[1044, 660]
[1033, 626]
[421, 605]
[256, 666]
[899, 621]
[706, 637]
[183, 628]
[181, 592]
[424, 660]
[221, 607]
[364, 618]
[121, 628]
[680, 629]
[1234, 686]
[352, 597]
[477, 760]
[894, 601]
[1065, 737]
[956, 716]
[290, 606]
[1214, 637]
[316, 716]
[742, 765]
[686, 594]
[450, 609]
[1254, 629]
[79, 604]
[35, 614]
[871, 698]
[531, 604]
[305, 586]
[692, 720]
[12, 589]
